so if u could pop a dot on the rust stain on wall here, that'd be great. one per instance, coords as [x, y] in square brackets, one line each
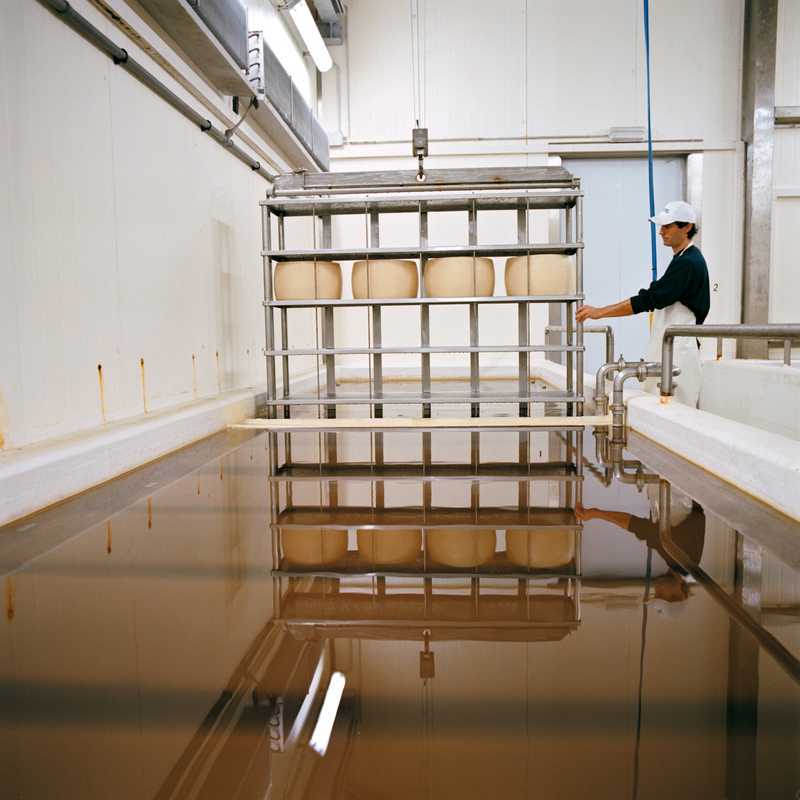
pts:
[108, 537]
[144, 385]
[10, 599]
[149, 513]
[102, 392]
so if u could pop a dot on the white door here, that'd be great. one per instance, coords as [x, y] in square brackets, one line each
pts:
[616, 262]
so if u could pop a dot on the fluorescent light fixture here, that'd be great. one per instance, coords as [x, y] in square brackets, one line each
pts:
[308, 29]
[327, 714]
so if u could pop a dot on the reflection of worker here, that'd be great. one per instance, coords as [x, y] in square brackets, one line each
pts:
[687, 532]
[679, 297]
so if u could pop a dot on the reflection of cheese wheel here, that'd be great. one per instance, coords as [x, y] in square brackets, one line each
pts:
[459, 276]
[387, 278]
[294, 280]
[547, 274]
[313, 546]
[390, 546]
[553, 547]
[459, 547]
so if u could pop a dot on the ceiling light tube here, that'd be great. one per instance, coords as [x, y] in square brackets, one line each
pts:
[304, 22]
[327, 714]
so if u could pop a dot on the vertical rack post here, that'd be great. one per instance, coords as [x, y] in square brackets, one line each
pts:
[425, 358]
[329, 342]
[424, 310]
[284, 314]
[523, 329]
[269, 330]
[579, 293]
[474, 360]
[377, 358]
[569, 321]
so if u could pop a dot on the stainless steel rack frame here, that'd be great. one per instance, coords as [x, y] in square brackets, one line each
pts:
[321, 197]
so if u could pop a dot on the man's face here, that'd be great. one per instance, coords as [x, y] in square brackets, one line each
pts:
[672, 235]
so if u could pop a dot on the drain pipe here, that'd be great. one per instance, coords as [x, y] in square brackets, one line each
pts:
[606, 372]
[65, 12]
[640, 371]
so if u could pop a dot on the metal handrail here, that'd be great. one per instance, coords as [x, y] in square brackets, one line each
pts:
[772, 332]
[606, 330]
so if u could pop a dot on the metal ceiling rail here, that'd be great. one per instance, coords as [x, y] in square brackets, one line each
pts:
[65, 12]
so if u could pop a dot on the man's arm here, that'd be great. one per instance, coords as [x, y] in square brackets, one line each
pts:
[619, 518]
[621, 309]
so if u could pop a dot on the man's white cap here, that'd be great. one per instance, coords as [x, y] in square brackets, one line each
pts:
[676, 211]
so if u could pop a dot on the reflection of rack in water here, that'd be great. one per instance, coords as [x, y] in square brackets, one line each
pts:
[487, 608]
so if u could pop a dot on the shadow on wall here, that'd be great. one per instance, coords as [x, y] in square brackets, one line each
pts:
[228, 300]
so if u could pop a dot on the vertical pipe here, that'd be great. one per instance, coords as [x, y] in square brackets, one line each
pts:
[269, 334]
[787, 352]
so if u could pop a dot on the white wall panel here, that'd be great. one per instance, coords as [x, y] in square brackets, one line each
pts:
[787, 61]
[784, 283]
[474, 66]
[583, 67]
[380, 76]
[129, 235]
[696, 69]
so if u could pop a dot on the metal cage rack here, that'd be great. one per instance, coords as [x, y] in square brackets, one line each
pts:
[322, 197]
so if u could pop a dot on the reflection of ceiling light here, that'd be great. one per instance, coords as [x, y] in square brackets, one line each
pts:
[327, 714]
[304, 22]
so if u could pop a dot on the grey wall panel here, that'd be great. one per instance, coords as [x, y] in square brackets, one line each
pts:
[227, 20]
[319, 143]
[277, 84]
[301, 117]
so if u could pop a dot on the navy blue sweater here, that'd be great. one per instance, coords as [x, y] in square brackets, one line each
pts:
[685, 281]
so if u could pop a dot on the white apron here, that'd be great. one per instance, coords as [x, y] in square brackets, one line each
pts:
[686, 354]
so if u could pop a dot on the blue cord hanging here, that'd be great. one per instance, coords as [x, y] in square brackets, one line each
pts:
[653, 253]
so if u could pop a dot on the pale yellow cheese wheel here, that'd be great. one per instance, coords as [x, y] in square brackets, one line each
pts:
[553, 547]
[459, 276]
[295, 280]
[548, 274]
[399, 546]
[312, 547]
[387, 278]
[461, 547]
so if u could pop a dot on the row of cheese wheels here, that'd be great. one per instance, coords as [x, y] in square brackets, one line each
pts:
[452, 547]
[457, 276]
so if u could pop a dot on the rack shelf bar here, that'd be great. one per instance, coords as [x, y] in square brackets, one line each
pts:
[391, 518]
[426, 301]
[365, 471]
[376, 253]
[363, 351]
[418, 399]
[409, 203]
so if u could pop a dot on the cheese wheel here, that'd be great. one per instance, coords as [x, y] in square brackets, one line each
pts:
[546, 274]
[389, 546]
[457, 547]
[296, 280]
[553, 547]
[387, 278]
[312, 547]
[459, 276]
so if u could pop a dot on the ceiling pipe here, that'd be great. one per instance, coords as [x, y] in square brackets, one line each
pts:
[64, 11]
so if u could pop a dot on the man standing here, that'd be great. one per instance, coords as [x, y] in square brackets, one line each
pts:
[679, 297]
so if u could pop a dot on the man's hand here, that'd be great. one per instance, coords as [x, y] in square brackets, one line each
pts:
[587, 312]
